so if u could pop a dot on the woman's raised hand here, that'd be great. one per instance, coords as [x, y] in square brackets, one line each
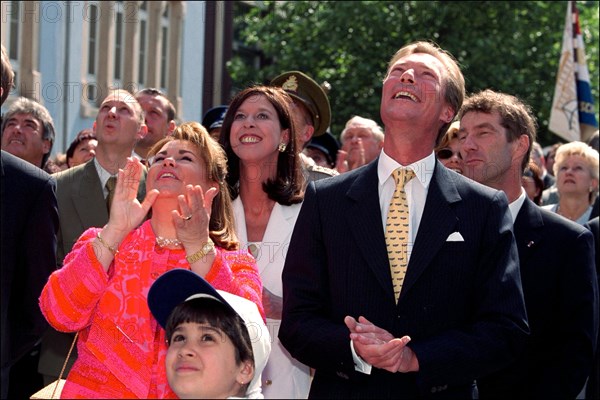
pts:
[193, 218]
[126, 212]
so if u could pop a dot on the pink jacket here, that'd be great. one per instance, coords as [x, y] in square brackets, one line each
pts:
[121, 347]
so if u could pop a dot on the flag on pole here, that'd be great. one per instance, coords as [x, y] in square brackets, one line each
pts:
[572, 115]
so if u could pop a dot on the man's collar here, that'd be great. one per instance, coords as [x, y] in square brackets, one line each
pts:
[516, 205]
[423, 168]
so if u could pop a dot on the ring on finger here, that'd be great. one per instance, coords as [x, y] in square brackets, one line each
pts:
[188, 217]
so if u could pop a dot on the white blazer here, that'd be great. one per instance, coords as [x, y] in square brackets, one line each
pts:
[284, 376]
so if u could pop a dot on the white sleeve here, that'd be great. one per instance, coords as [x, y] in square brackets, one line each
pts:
[360, 365]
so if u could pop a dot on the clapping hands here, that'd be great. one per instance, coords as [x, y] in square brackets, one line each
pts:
[379, 348]
[193, 217]
[346, 162]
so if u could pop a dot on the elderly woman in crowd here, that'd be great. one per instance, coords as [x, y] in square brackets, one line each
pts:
[448, 151]
[101, 289]
[268, 186]
[576, 172]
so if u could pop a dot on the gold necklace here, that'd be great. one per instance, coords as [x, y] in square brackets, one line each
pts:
[164, 242]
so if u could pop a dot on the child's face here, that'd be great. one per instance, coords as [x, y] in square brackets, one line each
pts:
[201, 363]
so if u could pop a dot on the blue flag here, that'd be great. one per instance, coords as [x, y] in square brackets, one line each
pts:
[572, 116]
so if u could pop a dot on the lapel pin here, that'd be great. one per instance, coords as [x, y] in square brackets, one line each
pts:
[530, 243]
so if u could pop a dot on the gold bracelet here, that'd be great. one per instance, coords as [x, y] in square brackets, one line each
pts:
[111, 249]
[206, 247]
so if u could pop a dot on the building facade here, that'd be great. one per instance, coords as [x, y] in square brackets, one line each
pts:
[68, 54]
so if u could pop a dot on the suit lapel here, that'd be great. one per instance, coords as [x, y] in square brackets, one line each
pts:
[274, 244]
[281, 222]
[526, 229]
[365, 213]
[88, 198]
[278, 234]
[240, 220]
[439, 220]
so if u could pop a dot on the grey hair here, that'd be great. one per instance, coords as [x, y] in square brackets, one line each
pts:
[24, 105]
[361, 122]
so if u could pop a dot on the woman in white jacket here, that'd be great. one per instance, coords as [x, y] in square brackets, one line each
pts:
[265, 176]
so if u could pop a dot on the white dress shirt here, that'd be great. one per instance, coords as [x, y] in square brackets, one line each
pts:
[416, 190]
[103, 175]
[516, 205]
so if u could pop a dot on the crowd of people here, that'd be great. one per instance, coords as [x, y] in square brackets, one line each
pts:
[252, 254]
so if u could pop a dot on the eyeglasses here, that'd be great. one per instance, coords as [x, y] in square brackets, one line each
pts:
[446, 153]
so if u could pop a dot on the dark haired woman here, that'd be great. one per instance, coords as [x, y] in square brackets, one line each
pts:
[267, 185]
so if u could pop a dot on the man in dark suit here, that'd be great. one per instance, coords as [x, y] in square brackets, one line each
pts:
[29, 225]
[460, 311]
[82, 194]
[593, 385]
[556, 258]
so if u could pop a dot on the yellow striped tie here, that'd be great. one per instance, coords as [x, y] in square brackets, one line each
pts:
[396, 230]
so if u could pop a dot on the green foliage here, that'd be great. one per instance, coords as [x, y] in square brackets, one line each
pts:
[513, 47]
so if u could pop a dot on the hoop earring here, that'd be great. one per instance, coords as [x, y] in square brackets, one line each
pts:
[282, 146]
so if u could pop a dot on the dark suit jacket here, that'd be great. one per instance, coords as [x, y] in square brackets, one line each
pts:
[461, 302]
[29, 226]
[561, 295]
[593, 386]
[81, 205]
